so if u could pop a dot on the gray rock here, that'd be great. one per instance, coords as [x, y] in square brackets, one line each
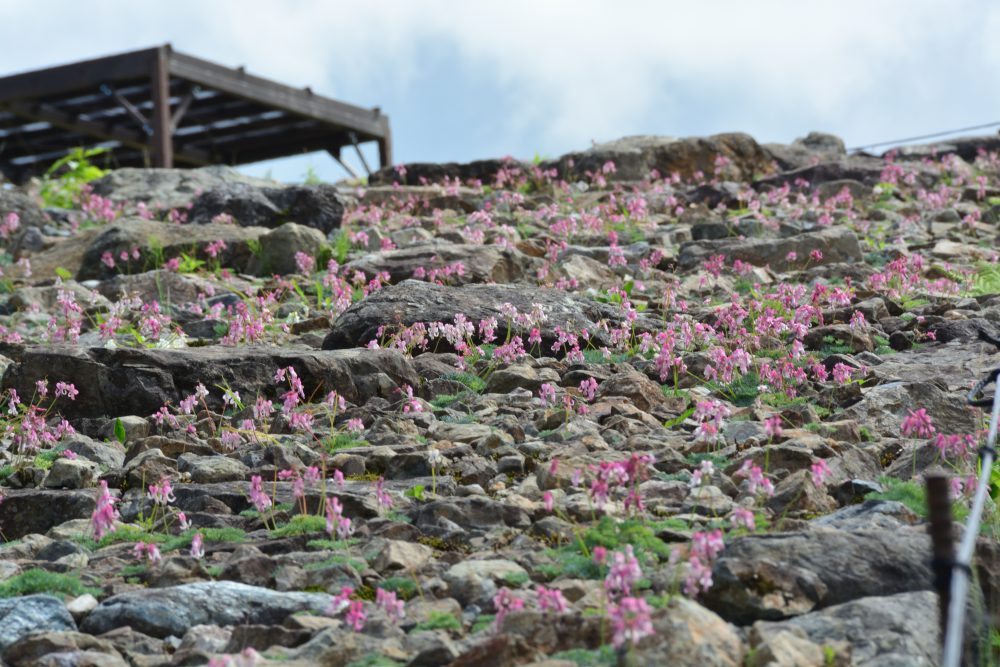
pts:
[482, 263]
[21, 616]
[158, 241]
[139, 381]
[770, 577]
[885, 631]
[636, 156]
[882, 408]
[836, 243]
[172, 611]
[36, 511]
[317, 206]
[209, 469]
[413, 301]
[278, 248]
[476, 581]
[886, 515]
[71, 474]
[167, 188]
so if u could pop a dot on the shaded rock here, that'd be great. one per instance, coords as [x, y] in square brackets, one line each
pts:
[209, 469]
[317, 206]
[167, 188]
[71, 474]
[171, 611]
[155, 241]
[21, 616]
[139, 381]
[36, 511]
[770, 577]
[65, 647]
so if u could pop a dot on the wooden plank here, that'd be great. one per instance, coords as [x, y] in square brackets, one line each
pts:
[96, 131]
[270, 93]
[75, 77]
[162, 139]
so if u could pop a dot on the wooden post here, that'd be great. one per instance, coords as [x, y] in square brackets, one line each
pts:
[162, 139]
[385, 148]
[942, 534]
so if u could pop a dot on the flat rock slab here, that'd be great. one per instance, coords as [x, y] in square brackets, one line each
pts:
[161, 612]
[836, 244]
[137, 381]
[413, 301]
[771, 577]
[21, 616]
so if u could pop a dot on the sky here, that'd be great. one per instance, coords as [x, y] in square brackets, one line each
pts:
[472, 80]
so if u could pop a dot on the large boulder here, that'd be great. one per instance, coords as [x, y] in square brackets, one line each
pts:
[167, 188]
[771, 577]
[413, 301]
[172, 611]
[318, 206]
[635, 157]
[138, 381]
[28, 511]
[21, 616]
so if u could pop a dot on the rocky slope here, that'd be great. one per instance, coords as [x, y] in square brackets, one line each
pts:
[657, 402]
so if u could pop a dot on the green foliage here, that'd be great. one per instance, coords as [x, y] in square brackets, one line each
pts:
[189, 263]
[63, 181]
[439, 620]
[614, 535]
[473, 382]
[37, 580]
[301, 524]
[404, 587]
[986, 279]
[119, 430]
[911, 494]
[482, 622]
[516, 579]
[416, 492]
[742, 391]
[344, 440]
[679, 419]
[356, 564]
[208, 535]
[602, 657]
[338, 249]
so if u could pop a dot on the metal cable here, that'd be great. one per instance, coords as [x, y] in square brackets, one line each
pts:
[962, 567]
[933, 135]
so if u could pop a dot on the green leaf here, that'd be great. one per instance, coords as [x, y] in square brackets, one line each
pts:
[119, 430]
[678, 420]
[63, 273]
[417, 492]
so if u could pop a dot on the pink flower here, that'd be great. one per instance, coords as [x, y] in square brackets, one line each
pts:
[918, 424]
[103, 518]
[392, 607]
[548, 500]
[356, 615]
[816, 255]
[624, 572]
[743, 518]
[589, 389]
[305, 262]
[772, 427]
[600, 555]
[505, 602]
[257, 496]
[551, 599]
[547, 393]
[67, 389]
[197, 550]
[819, 471]
[630, 621]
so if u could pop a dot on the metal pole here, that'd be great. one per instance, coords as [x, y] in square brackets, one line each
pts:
[942, 534]
[963, 563]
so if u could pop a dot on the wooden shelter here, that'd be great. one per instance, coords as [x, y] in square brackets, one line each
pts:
[157, 107]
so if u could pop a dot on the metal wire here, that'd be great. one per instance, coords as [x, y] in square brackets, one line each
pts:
[962, 568]
[921, 137]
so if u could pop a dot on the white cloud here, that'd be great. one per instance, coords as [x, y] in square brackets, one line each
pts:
[569, 71]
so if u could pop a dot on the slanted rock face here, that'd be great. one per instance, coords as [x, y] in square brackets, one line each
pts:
[413, 301]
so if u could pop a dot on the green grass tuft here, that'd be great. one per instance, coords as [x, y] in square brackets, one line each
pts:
[37, 580]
